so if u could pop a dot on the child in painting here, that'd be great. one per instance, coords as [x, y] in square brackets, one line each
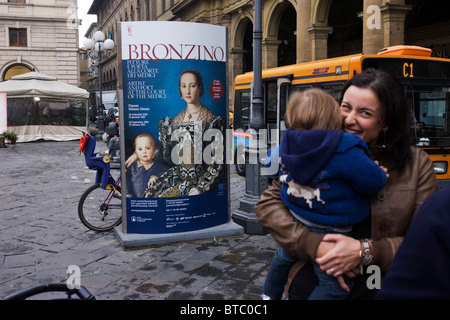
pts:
[145, 170]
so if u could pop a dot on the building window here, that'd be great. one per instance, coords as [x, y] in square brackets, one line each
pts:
[16, 70]
[16, 1]
[17, 37]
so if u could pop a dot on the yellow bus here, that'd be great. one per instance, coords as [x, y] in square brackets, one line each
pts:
[426, 81]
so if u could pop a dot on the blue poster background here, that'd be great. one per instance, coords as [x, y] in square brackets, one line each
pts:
[150, 94]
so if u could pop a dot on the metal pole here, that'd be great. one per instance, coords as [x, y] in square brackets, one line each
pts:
[100, 75]
[257, 110]
[255, 184]
[101, 117]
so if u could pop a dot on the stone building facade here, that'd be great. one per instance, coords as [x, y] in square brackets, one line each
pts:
[294, 31]
[41, 36]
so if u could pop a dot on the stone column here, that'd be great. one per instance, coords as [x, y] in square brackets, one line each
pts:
[235, 68]
[225, 20]
[373, 33]
[270, 53]
[303, 37]
[393, 16]
[319, 37]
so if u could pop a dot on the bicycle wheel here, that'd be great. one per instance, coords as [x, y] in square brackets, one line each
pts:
[99, 209]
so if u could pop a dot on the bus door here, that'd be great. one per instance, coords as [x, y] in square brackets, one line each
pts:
[284, 86]
[275, 92]
[241, 134]
[276, 101]
[430, 125]
[241, 124]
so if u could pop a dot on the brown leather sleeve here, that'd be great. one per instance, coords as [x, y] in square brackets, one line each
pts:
[285, 229]
[420, 174]
[427, 183]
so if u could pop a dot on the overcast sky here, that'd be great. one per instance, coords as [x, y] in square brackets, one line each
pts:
[86, 19]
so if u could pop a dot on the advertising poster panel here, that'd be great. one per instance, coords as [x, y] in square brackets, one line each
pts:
[175, 113]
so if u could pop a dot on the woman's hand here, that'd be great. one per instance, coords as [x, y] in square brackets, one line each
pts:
[338, 255]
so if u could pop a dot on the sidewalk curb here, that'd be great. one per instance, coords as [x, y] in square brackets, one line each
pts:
[135, 241]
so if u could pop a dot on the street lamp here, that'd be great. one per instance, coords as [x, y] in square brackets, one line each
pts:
[99, 43]
[255, 181]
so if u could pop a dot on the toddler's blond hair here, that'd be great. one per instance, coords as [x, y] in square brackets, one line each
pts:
[313, 109]
[153, 142]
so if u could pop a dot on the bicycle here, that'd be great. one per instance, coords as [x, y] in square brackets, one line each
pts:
[100, 206]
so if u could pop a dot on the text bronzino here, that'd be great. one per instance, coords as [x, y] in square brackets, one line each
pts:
[163, 51]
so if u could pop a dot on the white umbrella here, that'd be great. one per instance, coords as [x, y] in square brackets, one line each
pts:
[37, 84]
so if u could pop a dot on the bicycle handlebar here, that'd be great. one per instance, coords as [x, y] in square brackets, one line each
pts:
[82, 292]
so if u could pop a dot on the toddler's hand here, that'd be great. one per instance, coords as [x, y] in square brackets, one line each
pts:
[152, 180]
[383, 168]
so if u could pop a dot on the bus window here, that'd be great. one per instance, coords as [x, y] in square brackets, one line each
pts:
[271, 112]
[284, 96]
[271, 102]
[432, 109]
[335, 90]
[242, 110]
[429, 115]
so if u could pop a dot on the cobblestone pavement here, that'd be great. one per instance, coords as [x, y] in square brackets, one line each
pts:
[41, 235]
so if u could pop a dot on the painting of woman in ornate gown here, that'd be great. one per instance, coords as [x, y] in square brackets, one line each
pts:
[182, 145]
